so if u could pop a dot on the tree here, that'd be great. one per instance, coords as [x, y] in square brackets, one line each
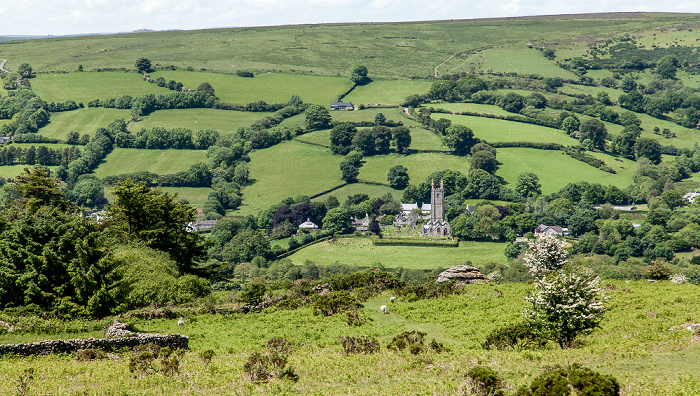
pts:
[484, 160]
[379, 119]
[317, 117]
[337, 220]
[359, 75]
[206, 88]
[35, 189]
[460, 139]
[143, 65]
[349, 172]
[364, 141]
[341, 138]
[567, 301]
[593, 130]
[156, 219]
[648, 148]
[401, 139]
[628, 84]
[570, 124]
[25, 70]
[528, 186]
[667, 67]
[537, 100]
[88, 191]
[398, 177]
[512, 102]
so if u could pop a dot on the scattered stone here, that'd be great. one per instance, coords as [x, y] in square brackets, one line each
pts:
[610, 286]
[322, 289]
[461, 275]
[118, 329]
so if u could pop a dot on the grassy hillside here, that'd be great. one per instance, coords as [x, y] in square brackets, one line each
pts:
[83, 121]
[221, 120]
[86, 86]
[157, 161]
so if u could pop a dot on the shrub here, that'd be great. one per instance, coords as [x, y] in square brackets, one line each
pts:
[253, 293]
[143, 360]
[560, 381]
[279, 344]
[206, 357]
[355, 345]
[333, 303]
[410, 340]
[354, 319]
[264, 367]
[515, 336]
[483, 381]
[657, 270]
[678, 278]
[89, 354]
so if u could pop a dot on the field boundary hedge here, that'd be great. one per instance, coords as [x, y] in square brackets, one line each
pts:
[415, 242]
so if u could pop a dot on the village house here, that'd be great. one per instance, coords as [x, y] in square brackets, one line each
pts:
[361, 224]
[308, 225]
[342, 106]
[690, 197]
[555, 230]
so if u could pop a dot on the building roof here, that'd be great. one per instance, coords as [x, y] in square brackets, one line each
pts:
[308, 224]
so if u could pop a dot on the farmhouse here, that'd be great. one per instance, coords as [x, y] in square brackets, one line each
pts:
[555, 230]
[342, 106]
[201, 226]
[308, 225]
[690, 197]
[361, 224]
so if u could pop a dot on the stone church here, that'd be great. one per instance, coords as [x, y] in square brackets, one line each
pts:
[437, 226]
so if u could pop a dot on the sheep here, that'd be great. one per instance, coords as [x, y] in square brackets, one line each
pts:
[181, 322]
[392, 299]
[383, 309]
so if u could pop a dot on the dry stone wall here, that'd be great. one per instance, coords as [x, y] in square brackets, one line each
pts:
[174, 341]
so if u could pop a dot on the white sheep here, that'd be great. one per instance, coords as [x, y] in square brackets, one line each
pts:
[392, 299]
[383, 309]
[181, 322]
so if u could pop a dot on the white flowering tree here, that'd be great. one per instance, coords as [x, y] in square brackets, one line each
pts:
[567, 301]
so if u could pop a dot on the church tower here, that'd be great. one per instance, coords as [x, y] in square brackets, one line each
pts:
[437, 199]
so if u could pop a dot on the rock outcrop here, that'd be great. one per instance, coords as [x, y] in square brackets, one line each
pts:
[118, 329]
[461, 275]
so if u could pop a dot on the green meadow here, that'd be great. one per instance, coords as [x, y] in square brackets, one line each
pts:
[221, 120]
[420, 166]
[423, 139]
[10, 171]
[391, 92]
[495, 130]
[361, 252]
[560, 169]
[196, 196]
[162, 162]
[270, 87]
[372, 190]
[288, 169]
[510, 60]
[86, 86]
[472, 107]
[84, 121]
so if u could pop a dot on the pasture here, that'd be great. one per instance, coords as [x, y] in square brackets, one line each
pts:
[86, 86]
[223, 121]
[510, 60]
[387, 92]
[286, 170]
[494, 130]
[420, 166]
[270, 87]
[560, 169]
[195, 196]
[84, 121]
[361, 252]
[10, 171]
[372, 190]
[161, 162]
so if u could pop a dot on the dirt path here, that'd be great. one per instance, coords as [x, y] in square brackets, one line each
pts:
[2, 65]
[435, 70]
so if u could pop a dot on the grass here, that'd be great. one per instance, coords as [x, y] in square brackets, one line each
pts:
[286, 170]
[84, 121]
[392, 92]
[420, 166]
[221, 120]
[10, 171]
[509, 60]
[421, 139]
[494, 130]
[157, 161]
[86, 86]
[361, 252]
[371, 190]
[560, 169]
[196, 196]
[48, 145]
[270, 87]
[474, 107]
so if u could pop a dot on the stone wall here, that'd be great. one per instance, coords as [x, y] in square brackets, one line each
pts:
[174, 341]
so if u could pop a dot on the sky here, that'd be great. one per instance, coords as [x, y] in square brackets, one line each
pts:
[66, 17]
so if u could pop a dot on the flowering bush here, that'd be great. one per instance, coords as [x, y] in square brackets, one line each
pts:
[547, 254]
[678, 278]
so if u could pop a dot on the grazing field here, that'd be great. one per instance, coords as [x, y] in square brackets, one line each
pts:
[634, 344]
[317, 137]
[83, 121]
[10, 171]
[196, 196]
[361, 252]
[423, 139]
[494, 130]
[286, 170]
[86, 86]
[560, 169]
[393, 113]
[270, 87]
[392, 92]
[474, 107]
[48, 145]
[419, 166]
[372, 190]
[575, 89]
[162, 162]
[221, 120]
[510, 60]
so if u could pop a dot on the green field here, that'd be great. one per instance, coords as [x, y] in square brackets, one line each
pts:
[286, 170]
[361, 252]
[372, 190]
[83, 121]
[86, 86]
[494, 130]
[196, 196]
[392, 92]
[35, 145]
[162, 162]
[421, 139]
[419, 166]
[560, 169]
[507, 60]
[221, 120]
[393, 113]
[270, 87]
[10, 171]
[472, 107]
